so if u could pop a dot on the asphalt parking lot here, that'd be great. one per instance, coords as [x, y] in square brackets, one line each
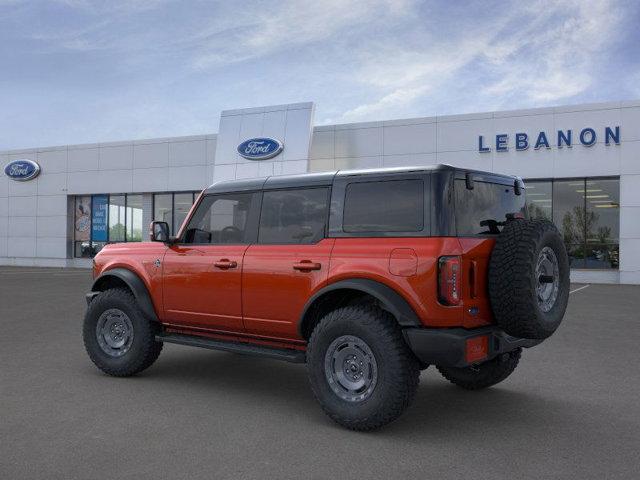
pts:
[571, 409]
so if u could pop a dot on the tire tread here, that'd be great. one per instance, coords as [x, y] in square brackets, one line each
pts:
[511, 269]
[404, 367]
[150, 349]
[486, 374]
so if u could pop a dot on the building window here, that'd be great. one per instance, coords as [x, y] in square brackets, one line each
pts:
[134, 218]
[569, 216]
[539, 199]
[102, 219]
[172, 208]
[182, 203]
[163, 208]
[603, 223]
[587, 213]
[117, 218]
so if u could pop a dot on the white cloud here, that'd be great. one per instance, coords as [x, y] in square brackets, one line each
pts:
[215, 34]
[555, 63]
[112, 5]
[544, 52]
[161, 68]
[253, 33]
[398, 98]
[404, 77]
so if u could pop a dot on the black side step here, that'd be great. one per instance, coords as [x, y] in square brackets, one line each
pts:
[286, 354]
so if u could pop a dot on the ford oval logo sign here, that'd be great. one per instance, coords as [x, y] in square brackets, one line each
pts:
[260, 148]
[22, 170]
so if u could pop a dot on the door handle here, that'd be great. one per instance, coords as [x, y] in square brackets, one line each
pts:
[306, 266]
[225, 264]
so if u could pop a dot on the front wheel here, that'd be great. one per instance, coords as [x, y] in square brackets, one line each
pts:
[119, 339]
[361, 370]
[485, 374]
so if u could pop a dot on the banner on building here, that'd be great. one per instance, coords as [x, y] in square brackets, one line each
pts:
[99, 220]
[82, 219]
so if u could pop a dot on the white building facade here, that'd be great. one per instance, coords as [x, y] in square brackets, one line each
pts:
[581, 165]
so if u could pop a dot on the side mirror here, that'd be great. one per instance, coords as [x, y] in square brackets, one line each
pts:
[159, 232]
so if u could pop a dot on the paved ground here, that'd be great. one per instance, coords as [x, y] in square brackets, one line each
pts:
[571, 410]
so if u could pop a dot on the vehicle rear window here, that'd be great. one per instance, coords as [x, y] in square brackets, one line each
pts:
[384, 206]
[293, 216]
[483, 210]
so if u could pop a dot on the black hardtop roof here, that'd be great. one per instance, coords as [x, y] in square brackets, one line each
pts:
[327, 178]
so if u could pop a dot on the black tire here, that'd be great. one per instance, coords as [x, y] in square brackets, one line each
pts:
[484, 375]
[520, 302]
[143, 349]
[398, 370]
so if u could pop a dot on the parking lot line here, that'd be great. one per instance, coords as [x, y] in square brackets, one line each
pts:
[579, 288]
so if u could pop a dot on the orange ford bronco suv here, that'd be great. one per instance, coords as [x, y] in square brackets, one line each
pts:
[367, 276]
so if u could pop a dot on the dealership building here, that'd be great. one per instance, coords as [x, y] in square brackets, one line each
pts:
[581, 165]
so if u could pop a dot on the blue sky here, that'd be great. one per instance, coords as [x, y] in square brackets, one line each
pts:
[79, 71]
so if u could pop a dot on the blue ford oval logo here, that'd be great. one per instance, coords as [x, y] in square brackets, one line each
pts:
[260, 148]
[22, 170]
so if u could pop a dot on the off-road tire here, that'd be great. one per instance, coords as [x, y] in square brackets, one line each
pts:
[484, 375]
[144, 349]
[512, 279]
[398, 370]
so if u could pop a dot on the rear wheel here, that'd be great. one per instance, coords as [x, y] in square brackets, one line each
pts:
[361, 371]
[485, 374]
[117, 336]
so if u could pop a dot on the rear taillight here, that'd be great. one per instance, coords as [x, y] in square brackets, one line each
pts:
[449, 280]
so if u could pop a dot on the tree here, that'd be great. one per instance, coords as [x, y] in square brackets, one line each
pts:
[604, 234]
[116, 233]
[536, 212]
[577, 223]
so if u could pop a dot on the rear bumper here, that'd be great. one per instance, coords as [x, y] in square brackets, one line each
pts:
[449, 347]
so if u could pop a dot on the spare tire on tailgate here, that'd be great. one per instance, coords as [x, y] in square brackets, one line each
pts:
[529, 278]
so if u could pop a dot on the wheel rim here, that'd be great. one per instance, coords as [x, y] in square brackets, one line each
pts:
[547, 279]
[114, 332]
[351, 368]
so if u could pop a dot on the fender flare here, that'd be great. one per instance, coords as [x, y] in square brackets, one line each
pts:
[389, 299]
[135, 284]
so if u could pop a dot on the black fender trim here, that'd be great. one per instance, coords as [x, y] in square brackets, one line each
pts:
[389, 299]
[135, 284]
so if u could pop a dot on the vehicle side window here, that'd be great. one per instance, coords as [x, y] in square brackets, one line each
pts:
[220, 219]
[293, 216]
[384, 206]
